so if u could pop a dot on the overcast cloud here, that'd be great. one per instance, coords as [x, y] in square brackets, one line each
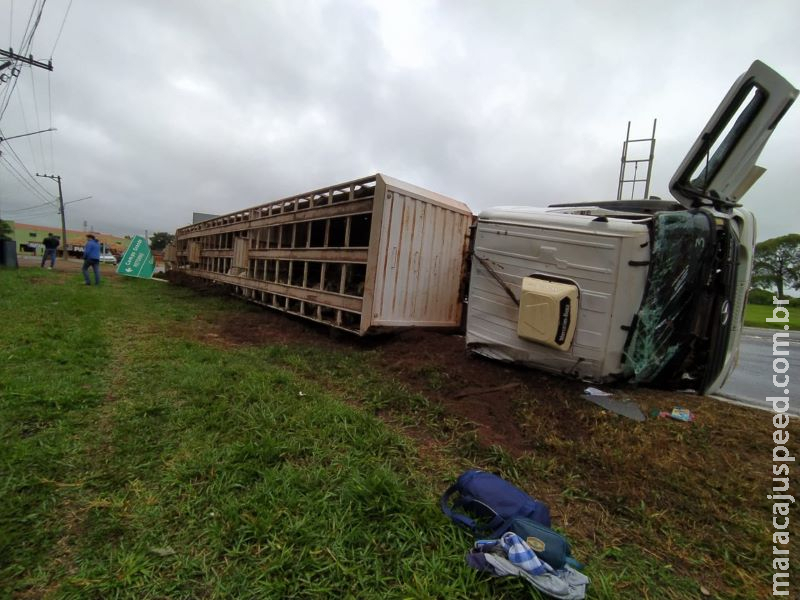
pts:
[168, 107]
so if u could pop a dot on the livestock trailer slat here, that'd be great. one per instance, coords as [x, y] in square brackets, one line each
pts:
[370, 254]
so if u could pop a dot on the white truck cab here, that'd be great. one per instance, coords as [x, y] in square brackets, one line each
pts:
[649, 291]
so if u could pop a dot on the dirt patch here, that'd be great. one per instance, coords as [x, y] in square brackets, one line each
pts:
[267, 326]
[489, 394]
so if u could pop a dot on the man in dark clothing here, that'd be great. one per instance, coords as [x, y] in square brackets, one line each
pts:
[91, 258]
[51, 242]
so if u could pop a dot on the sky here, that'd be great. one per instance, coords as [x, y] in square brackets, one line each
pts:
[163, 108]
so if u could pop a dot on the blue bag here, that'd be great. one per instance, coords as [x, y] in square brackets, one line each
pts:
[485, 504]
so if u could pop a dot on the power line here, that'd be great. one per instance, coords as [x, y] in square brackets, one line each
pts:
[50, 108]
[31, 215]
[22, 164]
[36, 110]
[24, 120]
[18, 176]
[8, 91]
[49, 213]
[27, 40]
[19, 58]
[27, 26]
[34, 207]
[26, 46]
[60, 29]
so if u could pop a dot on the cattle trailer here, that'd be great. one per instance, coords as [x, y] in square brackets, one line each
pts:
[365, 256]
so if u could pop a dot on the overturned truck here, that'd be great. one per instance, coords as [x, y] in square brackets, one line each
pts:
[650, 291]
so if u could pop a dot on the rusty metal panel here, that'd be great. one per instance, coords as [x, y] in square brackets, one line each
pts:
[422, 252]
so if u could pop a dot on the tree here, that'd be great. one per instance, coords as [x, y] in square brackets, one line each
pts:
[777, 262]
[6, 231]
[160, 239]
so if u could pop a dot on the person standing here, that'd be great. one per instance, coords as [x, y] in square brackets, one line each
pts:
[91, 258]
[51, 243]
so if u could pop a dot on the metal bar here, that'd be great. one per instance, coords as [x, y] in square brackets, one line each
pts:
[340, 209]
[650, 164]
[27, 60]
[332, 299]
[493, 273]
[351, 255]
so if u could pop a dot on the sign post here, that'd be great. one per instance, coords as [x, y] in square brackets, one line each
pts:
[138, 260]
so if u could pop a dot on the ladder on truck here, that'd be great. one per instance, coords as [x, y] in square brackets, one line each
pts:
[625, 176]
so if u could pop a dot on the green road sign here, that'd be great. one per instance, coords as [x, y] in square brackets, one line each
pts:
[137, 260]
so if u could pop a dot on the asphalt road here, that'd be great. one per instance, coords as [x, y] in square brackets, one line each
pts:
[751, 381]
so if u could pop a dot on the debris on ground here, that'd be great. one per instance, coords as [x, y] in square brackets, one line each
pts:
[678, 414]
[624, 407]
[593, 391]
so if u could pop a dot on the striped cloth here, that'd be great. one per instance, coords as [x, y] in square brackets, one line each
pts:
[521, 555]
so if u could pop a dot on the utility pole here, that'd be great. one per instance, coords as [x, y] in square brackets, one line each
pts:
[28, 60]
[64, 253]
[18, 58]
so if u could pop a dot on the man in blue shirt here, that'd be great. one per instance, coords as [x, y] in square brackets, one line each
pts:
[91, 258]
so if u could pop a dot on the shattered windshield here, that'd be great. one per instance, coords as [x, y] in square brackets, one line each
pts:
[679, 265]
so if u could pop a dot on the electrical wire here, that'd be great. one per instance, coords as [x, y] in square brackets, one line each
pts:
[9, 90]
[13, 170]
[34, 207]
[50, 109]
[49, 213]
[26, 45]
[22, 164]
[25, 121]
[38, 123]
[28, 25]
[25, 183]
[60, 29]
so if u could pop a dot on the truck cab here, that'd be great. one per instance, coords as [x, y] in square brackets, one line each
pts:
[649, 291]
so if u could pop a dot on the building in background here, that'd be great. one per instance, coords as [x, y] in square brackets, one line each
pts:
[29, 240]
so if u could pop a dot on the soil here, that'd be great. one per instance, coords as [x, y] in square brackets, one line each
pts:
[487, 393]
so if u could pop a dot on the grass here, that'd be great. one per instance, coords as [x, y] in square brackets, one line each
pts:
[138, 459]
[138, 462]
[755, 315]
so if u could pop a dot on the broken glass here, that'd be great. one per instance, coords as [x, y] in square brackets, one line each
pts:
[680, 266]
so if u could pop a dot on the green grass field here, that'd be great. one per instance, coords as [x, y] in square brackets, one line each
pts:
[755, 315]
[139, 460]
